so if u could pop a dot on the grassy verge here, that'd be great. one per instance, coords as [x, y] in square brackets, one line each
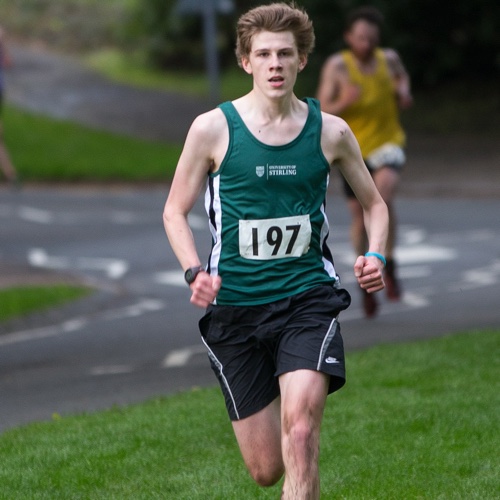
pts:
[131, 69]
[414, 421]
[61, 151]
[18, 301]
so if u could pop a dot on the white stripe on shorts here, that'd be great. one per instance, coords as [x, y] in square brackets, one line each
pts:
[326, 342]
[213, 357]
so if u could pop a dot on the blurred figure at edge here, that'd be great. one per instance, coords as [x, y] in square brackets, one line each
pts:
[5, 162]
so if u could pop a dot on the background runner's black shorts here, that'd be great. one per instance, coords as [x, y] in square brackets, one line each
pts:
[249, 347]
[349, 193]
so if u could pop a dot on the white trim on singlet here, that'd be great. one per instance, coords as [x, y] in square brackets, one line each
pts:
[325, 229]
[214, 203]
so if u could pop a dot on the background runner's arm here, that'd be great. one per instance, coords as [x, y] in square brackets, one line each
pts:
[335, 91]
[401, 78]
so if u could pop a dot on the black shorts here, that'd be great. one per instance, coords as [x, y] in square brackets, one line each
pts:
[249, 347]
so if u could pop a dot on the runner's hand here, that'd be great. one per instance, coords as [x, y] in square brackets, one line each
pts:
[368, 272]
[204, 289]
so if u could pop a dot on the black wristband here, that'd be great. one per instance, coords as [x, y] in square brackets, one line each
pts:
[191, 273]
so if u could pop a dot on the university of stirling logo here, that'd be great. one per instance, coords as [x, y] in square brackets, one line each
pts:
[276, 170]
[260, 170]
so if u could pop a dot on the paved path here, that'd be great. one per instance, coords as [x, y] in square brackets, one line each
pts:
[137, 336]
[61, 87]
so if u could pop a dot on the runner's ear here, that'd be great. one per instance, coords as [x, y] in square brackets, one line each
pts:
[245, 64]
[302, 62]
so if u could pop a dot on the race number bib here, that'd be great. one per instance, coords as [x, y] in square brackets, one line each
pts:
[268, 239]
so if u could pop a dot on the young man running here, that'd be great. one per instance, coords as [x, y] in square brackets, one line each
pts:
[366, 86]
[270, 287]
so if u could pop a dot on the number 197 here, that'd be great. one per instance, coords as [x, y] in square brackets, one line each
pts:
[274, 238]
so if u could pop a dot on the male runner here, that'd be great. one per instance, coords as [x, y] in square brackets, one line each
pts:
[270, 287]
[366, 86]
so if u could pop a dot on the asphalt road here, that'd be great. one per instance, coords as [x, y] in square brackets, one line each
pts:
[137, 336]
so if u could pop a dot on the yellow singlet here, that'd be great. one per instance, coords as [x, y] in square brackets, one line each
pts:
[374, 118]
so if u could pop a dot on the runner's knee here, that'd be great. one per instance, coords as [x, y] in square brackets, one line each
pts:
[300, 434]
[266, 475]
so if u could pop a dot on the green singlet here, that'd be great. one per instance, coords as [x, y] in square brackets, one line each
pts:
[266, 209]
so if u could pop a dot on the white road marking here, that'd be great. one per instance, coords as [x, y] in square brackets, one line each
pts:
[478, 277]
[181, 357]
[411, 272]
[72, 325]
[113, 268]
[43, 333]
[41, 216]
[415, 300]
[35, 215]
[38, 257]
[175, 278]
[413, 236]
[99, 371]
[416, 254]
[409, 255]
[142, 307]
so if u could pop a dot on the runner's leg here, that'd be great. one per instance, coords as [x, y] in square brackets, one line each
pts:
[387, 181]
[303, 396]
[259, 439]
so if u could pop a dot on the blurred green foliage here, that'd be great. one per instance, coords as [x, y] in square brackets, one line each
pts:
[438, 41]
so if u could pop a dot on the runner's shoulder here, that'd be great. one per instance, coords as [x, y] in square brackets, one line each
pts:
[336, 61]
[209, 124]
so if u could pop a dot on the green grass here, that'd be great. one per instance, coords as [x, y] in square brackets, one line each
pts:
[131, 69]
[18, 301]
[62, 151]
[415, 420]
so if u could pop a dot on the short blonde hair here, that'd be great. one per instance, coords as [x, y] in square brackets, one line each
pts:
[276, 17]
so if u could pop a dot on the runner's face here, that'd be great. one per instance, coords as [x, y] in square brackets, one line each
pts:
[274, 62]
[363, 38]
